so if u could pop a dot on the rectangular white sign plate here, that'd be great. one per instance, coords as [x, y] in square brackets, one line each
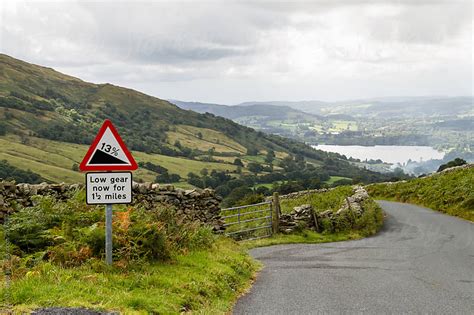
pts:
[108, 188]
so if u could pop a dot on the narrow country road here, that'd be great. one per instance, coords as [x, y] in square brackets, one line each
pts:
[421, 262]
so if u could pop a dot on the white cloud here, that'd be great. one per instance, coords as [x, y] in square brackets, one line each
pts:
[235, 51]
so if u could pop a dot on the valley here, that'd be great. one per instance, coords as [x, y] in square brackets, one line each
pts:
[47, 119]
[236, 157]
[445, 124]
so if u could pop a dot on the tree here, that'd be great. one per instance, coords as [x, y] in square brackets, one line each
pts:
[167, 178]
[255, 167]
[251, 199]
[192, 175]
[455, 162]
[3, 129]
[262, 190]
[199, 135]
[222, 190]
[252, 151]
[238, 162]
[234, 183]
[236, 195]
[204, 172]
[286, 188]
[270, 156]
[196, 181]
[10, 172]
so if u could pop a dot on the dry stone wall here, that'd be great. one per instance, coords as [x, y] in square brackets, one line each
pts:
[304, 216]
[297, 194]
[194, 205]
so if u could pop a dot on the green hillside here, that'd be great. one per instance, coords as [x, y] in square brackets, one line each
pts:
[47, 119]
[39, 101]
[54, 160]
[451, 191]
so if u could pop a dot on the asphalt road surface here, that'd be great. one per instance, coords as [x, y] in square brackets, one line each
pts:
[421, 262]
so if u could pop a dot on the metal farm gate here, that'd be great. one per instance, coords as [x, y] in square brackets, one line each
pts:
[249, 222]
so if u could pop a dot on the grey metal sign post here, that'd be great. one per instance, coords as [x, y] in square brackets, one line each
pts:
[108, 153]
[108, 188]
[108, 234]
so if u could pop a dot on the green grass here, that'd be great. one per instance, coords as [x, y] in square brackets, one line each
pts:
[334, 179]
[211, 139]
[304, 237]
[254, 158]
[368, 224]
[330, 200]
[206, 281]
[451, 192]
[268, 185]
[341, 125]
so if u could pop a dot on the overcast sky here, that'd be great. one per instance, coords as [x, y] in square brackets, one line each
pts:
[233, 51]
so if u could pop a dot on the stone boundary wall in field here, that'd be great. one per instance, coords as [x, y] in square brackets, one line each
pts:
[301, 193]
[304, 216]
[194, 205]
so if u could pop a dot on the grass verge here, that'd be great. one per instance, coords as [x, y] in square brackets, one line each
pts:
[367, 225]
[205, 281]
[450, 192]
[303, 237]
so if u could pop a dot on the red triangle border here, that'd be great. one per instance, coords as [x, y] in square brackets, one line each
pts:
[84, 167]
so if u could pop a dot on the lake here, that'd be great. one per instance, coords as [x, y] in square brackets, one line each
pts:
[387, 153]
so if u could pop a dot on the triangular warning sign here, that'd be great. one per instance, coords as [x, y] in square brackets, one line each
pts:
[108, 152]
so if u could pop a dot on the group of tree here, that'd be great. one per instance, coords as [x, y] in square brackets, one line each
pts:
[163, 174]
[453, 163]
[294, 174]
[10, 172]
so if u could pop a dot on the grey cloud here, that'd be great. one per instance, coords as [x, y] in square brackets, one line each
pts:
[428, 23]
[166, 47]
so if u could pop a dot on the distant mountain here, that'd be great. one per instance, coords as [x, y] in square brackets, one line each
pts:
[242, 111]
[312, 107]
[394, 107]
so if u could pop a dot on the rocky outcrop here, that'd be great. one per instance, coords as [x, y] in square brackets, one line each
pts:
[305, 217]
[194, 205]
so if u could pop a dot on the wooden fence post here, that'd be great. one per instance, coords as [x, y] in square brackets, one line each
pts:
[276, 213]
[315, 219]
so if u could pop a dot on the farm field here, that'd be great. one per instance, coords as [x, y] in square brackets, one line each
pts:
[53, 160]
[204, 139]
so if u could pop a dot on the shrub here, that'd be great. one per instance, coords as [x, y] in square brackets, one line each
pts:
[11, 172]
[453, 163]
[71, 233]
[371, 221]
[251, 198]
